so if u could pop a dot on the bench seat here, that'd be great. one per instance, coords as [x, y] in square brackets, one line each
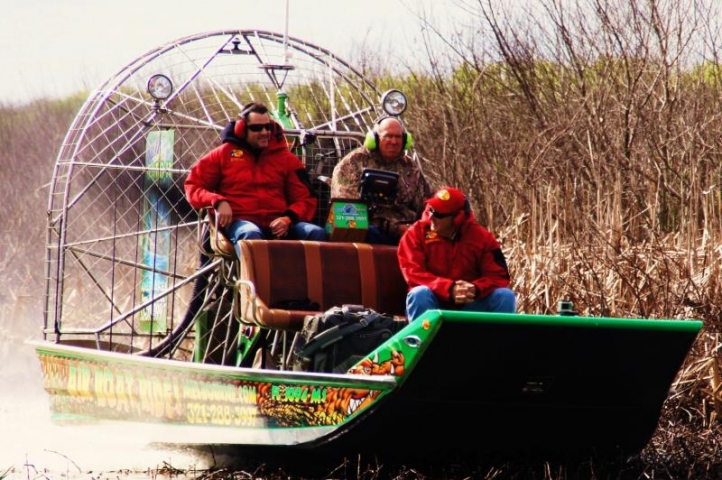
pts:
[274, 273]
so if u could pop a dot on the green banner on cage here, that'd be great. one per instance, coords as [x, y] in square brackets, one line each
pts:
[155, 242]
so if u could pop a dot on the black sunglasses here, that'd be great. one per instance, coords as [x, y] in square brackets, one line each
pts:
[257, 127]
[438, 215]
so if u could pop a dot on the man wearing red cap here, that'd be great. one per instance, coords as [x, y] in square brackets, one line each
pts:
[451, 262]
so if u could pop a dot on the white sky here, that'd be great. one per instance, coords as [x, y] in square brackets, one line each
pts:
[53, 48]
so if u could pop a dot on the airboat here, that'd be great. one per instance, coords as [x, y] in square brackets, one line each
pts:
[148, 319]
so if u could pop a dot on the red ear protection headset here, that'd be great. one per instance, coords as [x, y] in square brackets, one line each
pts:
[240, 130]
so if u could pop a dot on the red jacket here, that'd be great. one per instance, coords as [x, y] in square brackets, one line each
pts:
[259, 186]
[473, 255]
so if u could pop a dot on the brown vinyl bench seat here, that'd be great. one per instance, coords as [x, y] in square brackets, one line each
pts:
[275, 273]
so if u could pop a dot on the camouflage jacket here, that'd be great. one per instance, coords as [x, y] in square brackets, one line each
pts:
[412, 192]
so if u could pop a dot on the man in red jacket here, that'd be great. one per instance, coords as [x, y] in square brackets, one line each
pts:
[256, 185]
[451, 262]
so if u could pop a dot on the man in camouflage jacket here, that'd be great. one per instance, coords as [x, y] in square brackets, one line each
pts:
[387, 152]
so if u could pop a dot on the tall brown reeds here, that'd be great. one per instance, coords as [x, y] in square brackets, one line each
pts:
[30, 138]
[587, 135]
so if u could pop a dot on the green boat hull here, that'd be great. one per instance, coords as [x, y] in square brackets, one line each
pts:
[449, 383]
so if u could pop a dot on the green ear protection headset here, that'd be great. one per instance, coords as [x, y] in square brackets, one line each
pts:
[372, 137]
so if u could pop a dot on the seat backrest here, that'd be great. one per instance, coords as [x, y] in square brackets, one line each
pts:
[327, 273]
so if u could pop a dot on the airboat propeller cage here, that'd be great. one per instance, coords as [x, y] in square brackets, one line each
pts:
[123, 243]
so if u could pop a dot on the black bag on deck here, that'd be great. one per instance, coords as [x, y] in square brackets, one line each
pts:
[335, 340]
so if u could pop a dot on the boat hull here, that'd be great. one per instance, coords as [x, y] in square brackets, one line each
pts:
[451, 382]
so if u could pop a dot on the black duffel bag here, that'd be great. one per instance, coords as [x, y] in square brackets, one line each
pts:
[338, 338]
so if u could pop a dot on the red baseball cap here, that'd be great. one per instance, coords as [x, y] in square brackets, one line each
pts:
[447, 200]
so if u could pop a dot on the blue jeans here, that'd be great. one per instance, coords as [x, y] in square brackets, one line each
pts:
[421, 298]
[245, 230]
